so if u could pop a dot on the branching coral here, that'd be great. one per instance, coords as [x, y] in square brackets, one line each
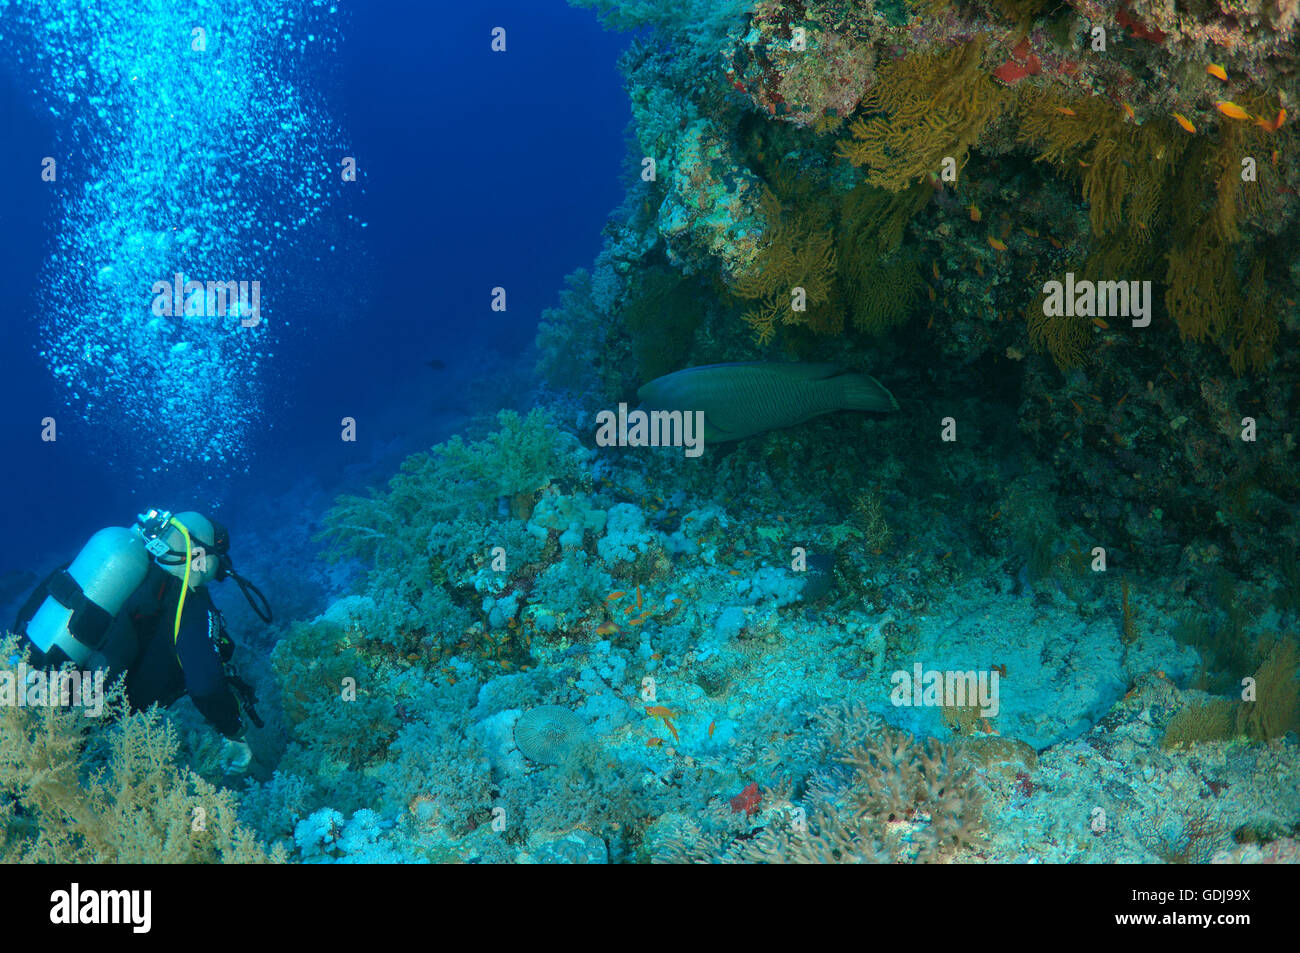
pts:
[1123, 168]
[522, 456]
[1206, 300]
[1150, 189]
[903, 800]
[331, 699]
[879, 278]
[844, 250]
[1062, 336]
[930, 106]
[571, 338]
[73, 790]
[1276, 708]
[799, 253]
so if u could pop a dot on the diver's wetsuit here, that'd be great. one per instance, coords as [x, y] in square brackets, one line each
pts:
[162, 670]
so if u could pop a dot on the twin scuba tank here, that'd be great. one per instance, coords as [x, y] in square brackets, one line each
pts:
[74, 620]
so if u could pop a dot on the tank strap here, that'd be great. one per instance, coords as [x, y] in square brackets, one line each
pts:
[89, 623]
[28, 610]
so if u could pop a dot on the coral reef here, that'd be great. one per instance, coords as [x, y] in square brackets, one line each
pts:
[554, 653]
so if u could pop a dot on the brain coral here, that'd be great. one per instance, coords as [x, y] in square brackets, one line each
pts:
[547, 734]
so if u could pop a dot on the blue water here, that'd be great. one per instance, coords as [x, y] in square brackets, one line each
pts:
[475, 170]
[503, 635]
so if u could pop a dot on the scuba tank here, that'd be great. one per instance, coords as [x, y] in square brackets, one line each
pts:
[73, 620]
[71, 615]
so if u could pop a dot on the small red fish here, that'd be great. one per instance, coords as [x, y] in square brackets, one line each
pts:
[747, 800]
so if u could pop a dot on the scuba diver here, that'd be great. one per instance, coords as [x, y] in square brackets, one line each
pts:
[135, 602]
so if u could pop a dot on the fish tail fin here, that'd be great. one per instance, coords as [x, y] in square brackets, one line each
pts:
[863, 392]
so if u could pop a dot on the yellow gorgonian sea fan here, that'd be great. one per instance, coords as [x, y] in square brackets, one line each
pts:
[923, 107]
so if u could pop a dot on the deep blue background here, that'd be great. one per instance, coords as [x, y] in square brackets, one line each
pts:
[478, 169]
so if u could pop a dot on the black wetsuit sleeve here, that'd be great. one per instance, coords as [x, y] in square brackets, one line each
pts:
[200, 658]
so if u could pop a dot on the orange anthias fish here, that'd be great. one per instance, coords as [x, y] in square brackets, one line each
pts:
[975, 214]
[1217, 71]
[608, 628]
[1231, 110]
[997, 244]
[1272, 125]
[659, 711]
[615, 595]
[1184, 122]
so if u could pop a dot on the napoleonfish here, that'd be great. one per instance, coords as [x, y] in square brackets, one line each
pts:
[743, 399]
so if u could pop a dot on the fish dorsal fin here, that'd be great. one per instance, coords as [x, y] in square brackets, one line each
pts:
[806, 372]
[796, 370]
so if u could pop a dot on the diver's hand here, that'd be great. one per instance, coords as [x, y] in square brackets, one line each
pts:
[235, 756]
